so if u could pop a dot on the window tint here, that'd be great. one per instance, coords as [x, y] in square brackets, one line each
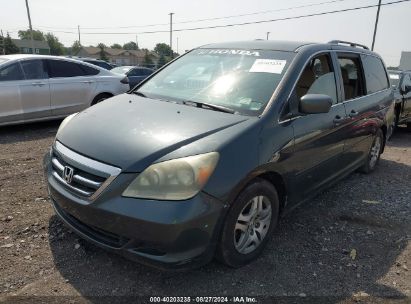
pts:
[60, 68]
[34, 69]
[375, 76]
[136, 72]
[318, 78]
[351, 76]
[89, 71]
[11, 72]
[147, 72]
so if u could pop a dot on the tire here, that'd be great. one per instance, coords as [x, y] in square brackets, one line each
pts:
[99, 98]
[409, 126]
[374, 153]
[245, 232]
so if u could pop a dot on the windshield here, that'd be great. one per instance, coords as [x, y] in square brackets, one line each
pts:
[121, 70]
[241, 80]
[394, 78]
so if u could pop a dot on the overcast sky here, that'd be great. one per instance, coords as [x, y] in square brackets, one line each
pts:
[64, 16]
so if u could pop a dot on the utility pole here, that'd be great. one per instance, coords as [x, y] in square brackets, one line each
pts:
[78, 29]
[177, 45]
[268, 33]
[31, 28]
[171, 34]
[376, 24]
[4, 42]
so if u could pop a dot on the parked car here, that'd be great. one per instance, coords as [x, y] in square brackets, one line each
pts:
[203, 158]
[401, 81]
[34, 87]
[101, 63]
[135, 74]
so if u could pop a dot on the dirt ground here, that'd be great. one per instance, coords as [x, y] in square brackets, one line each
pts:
[351, 243]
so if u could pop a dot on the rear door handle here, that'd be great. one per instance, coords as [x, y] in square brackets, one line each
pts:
[87, 81]
[353, 113]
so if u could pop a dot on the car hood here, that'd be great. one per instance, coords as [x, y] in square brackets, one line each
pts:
[131, 132]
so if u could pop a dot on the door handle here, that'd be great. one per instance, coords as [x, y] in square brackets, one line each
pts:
[40, 84]
[87, 81]
[353, 113]
[338, 119]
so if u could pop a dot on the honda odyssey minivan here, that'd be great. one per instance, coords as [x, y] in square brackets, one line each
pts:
[203, 157]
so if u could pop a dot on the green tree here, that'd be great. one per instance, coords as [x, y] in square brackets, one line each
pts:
[37, 35]
[56, 47]
[75, 48]
[162, 61]
[148, 60]
[162, 49]
[130, 46]
[9, 46]
[102, 47]
[116, 46]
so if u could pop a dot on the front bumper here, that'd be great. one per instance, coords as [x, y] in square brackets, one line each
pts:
[164, 234]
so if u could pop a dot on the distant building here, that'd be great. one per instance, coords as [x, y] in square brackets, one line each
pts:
[40, 47]
[405, 62]
[117, 56]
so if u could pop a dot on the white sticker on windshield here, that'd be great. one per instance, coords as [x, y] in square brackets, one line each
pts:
[268, 66]
[394, 76]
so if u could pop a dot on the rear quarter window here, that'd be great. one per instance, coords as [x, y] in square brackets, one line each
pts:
[375, 75]
[61, 68]
[89, 71]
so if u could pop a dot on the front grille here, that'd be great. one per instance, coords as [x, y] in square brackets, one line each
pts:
[102, 236]
[87, 177]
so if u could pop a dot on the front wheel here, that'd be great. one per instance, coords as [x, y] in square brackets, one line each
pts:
[374, 153]
[249, 223]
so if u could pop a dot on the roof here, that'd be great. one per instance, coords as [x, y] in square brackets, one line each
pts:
[25, 43]
[287, 46]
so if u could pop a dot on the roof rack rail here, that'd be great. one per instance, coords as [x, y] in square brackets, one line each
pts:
[349, 43]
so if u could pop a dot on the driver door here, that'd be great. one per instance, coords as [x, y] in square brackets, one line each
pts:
[318, 138]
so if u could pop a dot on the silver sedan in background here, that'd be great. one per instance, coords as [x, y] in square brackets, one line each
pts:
[35, 87]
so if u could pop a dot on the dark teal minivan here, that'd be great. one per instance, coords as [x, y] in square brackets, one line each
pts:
[203, 157]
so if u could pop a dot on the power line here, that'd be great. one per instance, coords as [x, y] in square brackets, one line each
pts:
[200, 20]
[248, 23]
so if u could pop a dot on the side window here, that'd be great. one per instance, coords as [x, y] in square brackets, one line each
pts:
[11, 72]
[375, 75]
[135, 72]
[318, 77]
[61, 68]
[147, 72]
[352, 76]
[89, 71]
[34, 69]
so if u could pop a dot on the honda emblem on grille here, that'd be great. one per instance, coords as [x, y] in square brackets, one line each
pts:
[68, 173]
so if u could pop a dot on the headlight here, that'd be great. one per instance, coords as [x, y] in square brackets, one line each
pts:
[66, 121]
[176, 179]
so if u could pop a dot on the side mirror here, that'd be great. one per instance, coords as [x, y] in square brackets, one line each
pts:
[315, 103]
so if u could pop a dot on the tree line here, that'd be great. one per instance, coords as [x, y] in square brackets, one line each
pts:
[163, 50]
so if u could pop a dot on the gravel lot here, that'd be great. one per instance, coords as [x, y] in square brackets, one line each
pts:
[349, 242]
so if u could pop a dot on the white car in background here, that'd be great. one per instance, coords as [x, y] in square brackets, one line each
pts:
[35, 87]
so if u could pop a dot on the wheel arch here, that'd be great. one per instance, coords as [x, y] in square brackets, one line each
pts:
[273, 177]
[99, 95]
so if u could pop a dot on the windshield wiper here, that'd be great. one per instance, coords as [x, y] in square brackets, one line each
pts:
[139, 93]
[209, 105]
